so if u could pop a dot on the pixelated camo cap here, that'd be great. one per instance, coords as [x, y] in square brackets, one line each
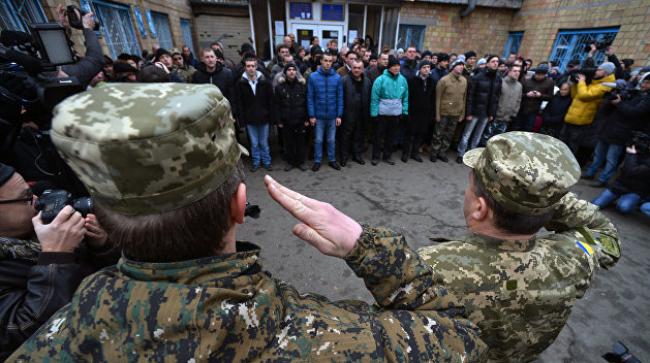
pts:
[148, 148]
[524, 172]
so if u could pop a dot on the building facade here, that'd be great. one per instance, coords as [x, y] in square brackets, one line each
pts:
[555, 30]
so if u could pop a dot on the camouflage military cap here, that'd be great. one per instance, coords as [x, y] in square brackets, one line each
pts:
[147, 148]
[524, 172]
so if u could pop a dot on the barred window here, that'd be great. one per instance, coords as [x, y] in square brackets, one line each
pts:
[573, 44]
[19, 14]
[512, 44]
[161, 23]
[117, 28]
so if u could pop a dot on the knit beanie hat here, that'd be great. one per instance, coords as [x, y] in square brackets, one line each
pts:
[470, 54]
[608, 67]
[424, 63]
[289, 65]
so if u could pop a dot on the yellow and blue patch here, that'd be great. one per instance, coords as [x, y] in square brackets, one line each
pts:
[585, 247]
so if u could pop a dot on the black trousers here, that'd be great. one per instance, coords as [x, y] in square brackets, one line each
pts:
[415, 134]
[294, 137]
[352, 133]
[385, 129]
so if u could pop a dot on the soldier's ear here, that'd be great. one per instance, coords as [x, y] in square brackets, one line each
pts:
[481, 210]
[238, 205]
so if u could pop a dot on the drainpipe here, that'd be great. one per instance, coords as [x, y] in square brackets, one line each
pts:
[471, 5]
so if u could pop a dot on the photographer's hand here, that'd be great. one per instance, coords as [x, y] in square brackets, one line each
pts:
[581, 77]
[631, 149]
[95, 235]
[64, 233]
[323, 226]
[593, 49]
[88, 21]
[63, 17]
[616, 101]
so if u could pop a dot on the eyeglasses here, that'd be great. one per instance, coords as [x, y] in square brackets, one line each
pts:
[28, 198]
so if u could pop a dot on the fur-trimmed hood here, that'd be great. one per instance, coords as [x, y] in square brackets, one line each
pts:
[282, 77]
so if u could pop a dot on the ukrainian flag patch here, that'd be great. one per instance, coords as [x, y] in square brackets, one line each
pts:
[585, 247]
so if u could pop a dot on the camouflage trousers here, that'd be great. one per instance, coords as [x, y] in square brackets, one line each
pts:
[443, 131]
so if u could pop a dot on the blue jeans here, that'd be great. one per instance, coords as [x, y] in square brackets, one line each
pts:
[321, 127]
[610, 155]
[645, 208]
[493, 128]
[627, 203]
[473, 129]
[259, 135]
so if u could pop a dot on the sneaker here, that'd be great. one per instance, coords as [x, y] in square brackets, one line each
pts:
[302, 167]
[334, 165]
[416, 157]
[288, 167]
[459, 160]
[443, 158]
[587, 177]
[374, 162]
[389, 161]
[316, 167]
[268, 167]
[254, 168]
[344, 162]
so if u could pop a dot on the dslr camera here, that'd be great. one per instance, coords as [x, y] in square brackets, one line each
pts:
[600, 44]
[51, 202]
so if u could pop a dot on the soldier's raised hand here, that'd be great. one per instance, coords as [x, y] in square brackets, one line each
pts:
[323, 226]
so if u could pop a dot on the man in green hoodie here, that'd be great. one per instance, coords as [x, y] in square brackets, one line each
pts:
[389, 100]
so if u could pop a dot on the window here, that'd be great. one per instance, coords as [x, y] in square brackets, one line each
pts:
[332, 12]
[161, 24]
[411, 35]
[117, 28]
[19, 14]
[513, 43]
[571, 44]
[186, 29]
[300, 11]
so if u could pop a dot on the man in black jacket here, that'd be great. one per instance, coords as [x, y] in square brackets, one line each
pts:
[422, 108]
[213, 71]
[41, 265]
[356, 112]
[483, 92]
[290, 114]
[254, 94]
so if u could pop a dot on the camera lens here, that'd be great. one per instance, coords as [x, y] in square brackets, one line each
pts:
[83, 205]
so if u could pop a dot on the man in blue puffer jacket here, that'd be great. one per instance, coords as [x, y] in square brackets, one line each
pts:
[325, 108]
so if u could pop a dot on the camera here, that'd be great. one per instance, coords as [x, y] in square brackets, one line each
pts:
[589, 74]
[600, 44]
[51, 202]
[75, 20]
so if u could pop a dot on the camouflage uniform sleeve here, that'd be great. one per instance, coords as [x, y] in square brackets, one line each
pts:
[395, 275]
[581, 218]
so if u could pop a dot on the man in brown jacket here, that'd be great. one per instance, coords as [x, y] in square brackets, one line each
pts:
[451, 92]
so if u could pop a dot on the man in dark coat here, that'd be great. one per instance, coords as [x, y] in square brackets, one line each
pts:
[483, 92]
[408, 66]
[537, 89]
[212, 70]
[41, 265]
[422, 108]
[254, 94]
[290, 113]
[356, 113]
[555, 110]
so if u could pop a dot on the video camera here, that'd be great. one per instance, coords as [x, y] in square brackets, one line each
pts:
[621, 89]
[51, 202]
[589, 74]
[600, 44]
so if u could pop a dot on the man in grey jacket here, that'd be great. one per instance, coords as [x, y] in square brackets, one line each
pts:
[509, 103]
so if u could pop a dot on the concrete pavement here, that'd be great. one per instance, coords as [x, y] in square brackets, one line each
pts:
[424, 201]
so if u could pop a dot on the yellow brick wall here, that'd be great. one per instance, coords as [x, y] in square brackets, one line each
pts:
[541, 19]
[485, 30]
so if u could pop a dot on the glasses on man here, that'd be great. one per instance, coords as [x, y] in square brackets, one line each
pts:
[27, 197]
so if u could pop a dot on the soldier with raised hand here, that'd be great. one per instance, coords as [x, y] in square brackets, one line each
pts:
[169, 190]
[516, 284]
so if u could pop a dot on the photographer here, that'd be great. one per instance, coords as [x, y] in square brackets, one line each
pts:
[586, 100]
[88, 66]
[632, 186]
[624, 112]
[41, 265]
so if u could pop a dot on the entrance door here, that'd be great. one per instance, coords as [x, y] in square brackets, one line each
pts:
[304, 33]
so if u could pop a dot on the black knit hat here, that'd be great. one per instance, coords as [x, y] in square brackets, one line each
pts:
[443, 57]
[6, 172]
[392, 61]
[470, 54]
[160, 52]
[289, 65]
[424, 63]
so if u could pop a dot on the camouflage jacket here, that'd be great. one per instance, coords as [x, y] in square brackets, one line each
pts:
[226, 309]
[520, 293]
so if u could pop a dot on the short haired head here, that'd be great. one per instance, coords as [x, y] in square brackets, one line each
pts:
[522, 176]
[155, 165]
